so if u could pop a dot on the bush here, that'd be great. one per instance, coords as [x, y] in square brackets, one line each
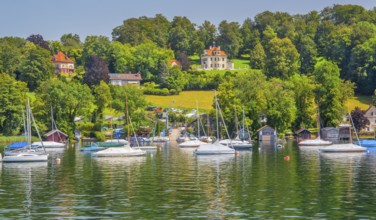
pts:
[99, 136]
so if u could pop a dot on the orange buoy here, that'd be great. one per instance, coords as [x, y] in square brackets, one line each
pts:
[287, 158]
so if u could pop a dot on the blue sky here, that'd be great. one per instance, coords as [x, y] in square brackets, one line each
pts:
[52, 19]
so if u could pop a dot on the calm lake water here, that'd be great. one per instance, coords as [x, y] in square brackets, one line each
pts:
[172, 183]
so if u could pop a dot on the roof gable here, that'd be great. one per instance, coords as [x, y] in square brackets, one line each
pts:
[54, 131]
[60, 57]
[211, 51]
[125, 76]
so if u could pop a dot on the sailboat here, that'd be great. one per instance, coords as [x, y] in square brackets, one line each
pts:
[126, 150]
[317, 141]
[196, 142]
[216, 147]
[54, 130]
[27, 154]
[239, 143]
[345, 148]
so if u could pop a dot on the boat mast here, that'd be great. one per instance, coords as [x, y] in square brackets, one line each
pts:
[198, 120]
[216, 112]
[36, 128]
[236, 122]
[318, 121]
[127, 118]
[243, 123]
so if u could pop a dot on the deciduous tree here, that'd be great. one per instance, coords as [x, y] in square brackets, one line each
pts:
[96, 70]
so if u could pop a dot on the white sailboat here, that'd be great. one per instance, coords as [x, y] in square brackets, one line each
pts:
[216, 147]
[195, 142]
[345, 148]
[317, 141]
[28, 154]
[126, 150]
[238, 143]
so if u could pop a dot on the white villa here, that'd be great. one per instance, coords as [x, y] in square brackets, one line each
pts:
[215, 59]
[371, 116]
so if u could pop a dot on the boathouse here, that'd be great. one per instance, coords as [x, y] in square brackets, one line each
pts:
[267, 133]
[330, 133]
[303, 133]
[56, 135]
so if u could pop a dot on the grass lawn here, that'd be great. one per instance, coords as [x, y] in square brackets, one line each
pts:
[185, 100]
[360, 101]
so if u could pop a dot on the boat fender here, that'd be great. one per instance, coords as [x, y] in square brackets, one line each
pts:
[57, 160]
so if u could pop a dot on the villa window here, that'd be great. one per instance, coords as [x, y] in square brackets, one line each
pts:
[223, 65]
[223, 59]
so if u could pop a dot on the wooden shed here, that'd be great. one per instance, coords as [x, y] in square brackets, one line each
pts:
[267, 133]
[56, 135]
[303, 133]
[344, 132]
[330, 133]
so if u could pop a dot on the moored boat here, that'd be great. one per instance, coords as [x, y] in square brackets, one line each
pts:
[125, 151]
[49, 144]
[215, 148]
[192, 143]
[315, 142]
[366, 143]
[343, 148]
[26, 157]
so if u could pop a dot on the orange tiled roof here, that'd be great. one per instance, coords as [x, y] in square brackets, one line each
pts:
[60, 57]
[211, 50]
[174, 62]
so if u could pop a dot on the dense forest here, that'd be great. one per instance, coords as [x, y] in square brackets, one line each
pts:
[297, 62]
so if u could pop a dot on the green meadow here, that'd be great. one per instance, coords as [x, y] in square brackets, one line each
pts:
[185, 100]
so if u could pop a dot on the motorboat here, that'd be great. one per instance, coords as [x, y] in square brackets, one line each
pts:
[315, 142]
[125, 151]
[215, 148]
[26, 157]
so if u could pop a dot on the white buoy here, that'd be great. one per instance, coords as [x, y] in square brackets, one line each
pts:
[57, 160]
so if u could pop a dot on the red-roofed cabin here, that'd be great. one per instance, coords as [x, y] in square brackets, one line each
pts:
[56, 135]
[62, 63]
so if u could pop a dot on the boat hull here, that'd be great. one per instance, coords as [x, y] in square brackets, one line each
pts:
[213, 149]
[119, 152]
[343, 148]
[25, 157]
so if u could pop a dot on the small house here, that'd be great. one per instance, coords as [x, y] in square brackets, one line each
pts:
[267, 133]
[56, 135]
[303, 134]
[330, 133]
[62, 63]
[121, 79]
[370, 114]
[174, 63]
